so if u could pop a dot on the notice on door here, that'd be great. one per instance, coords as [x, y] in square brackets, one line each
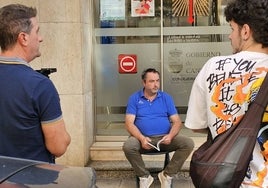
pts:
[127, 63]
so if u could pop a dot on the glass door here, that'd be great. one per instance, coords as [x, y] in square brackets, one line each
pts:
[174, 36]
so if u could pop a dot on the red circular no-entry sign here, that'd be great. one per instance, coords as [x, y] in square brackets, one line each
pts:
[127, 63]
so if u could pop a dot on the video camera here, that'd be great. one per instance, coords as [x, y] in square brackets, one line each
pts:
[47, 71]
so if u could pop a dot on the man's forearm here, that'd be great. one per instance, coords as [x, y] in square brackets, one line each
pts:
[134, 131]
[175, 129]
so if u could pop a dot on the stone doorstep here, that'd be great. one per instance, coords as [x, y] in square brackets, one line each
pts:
[122, 169]
[108, 154]
[108, 159]
[125, 165]
[112, 151]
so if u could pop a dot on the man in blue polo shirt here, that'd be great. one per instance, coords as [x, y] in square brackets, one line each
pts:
[151, 116]
[31, 121]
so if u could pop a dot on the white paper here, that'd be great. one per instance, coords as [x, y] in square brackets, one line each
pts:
[112, 10]
[157, 147]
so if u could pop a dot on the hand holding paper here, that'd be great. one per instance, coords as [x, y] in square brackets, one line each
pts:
[157, 147]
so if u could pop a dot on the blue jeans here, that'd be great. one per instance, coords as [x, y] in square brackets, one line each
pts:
[182, 146]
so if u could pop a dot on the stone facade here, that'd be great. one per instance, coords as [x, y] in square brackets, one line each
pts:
[66, 27]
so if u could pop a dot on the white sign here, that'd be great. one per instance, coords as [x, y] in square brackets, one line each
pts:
[112, 10]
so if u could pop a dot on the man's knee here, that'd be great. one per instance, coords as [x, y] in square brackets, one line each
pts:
[126, 148]
[185, 142]
[131, 144]
[190, 143]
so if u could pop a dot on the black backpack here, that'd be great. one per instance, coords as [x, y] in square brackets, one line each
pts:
[223, 162]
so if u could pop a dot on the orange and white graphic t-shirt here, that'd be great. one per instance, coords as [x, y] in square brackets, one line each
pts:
[220, 97]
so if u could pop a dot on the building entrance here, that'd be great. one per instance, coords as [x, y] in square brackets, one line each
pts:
[174, 36]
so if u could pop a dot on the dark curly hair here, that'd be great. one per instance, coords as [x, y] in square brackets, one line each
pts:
[254, 13]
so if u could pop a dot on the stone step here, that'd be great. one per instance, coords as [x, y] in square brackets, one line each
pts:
[122, 169]
[112, 169]
[105, 149]
[101, 152]
[109, 161]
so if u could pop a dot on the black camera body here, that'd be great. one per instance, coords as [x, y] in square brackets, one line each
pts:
[47, 71]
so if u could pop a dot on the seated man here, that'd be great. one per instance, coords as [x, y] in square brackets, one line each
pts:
[151, 116]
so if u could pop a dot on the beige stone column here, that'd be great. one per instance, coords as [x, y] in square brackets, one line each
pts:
[66, 27]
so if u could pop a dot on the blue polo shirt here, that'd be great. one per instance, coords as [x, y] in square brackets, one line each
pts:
[152, 117]
[27, 98]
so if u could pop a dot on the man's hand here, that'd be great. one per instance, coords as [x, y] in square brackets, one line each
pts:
[166, 139]
[144, 143]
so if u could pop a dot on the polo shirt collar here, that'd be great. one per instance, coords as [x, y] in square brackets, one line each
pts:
[142, 93]
[13, 60]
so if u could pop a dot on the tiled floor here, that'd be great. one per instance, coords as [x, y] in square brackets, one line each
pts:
[182, 180]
